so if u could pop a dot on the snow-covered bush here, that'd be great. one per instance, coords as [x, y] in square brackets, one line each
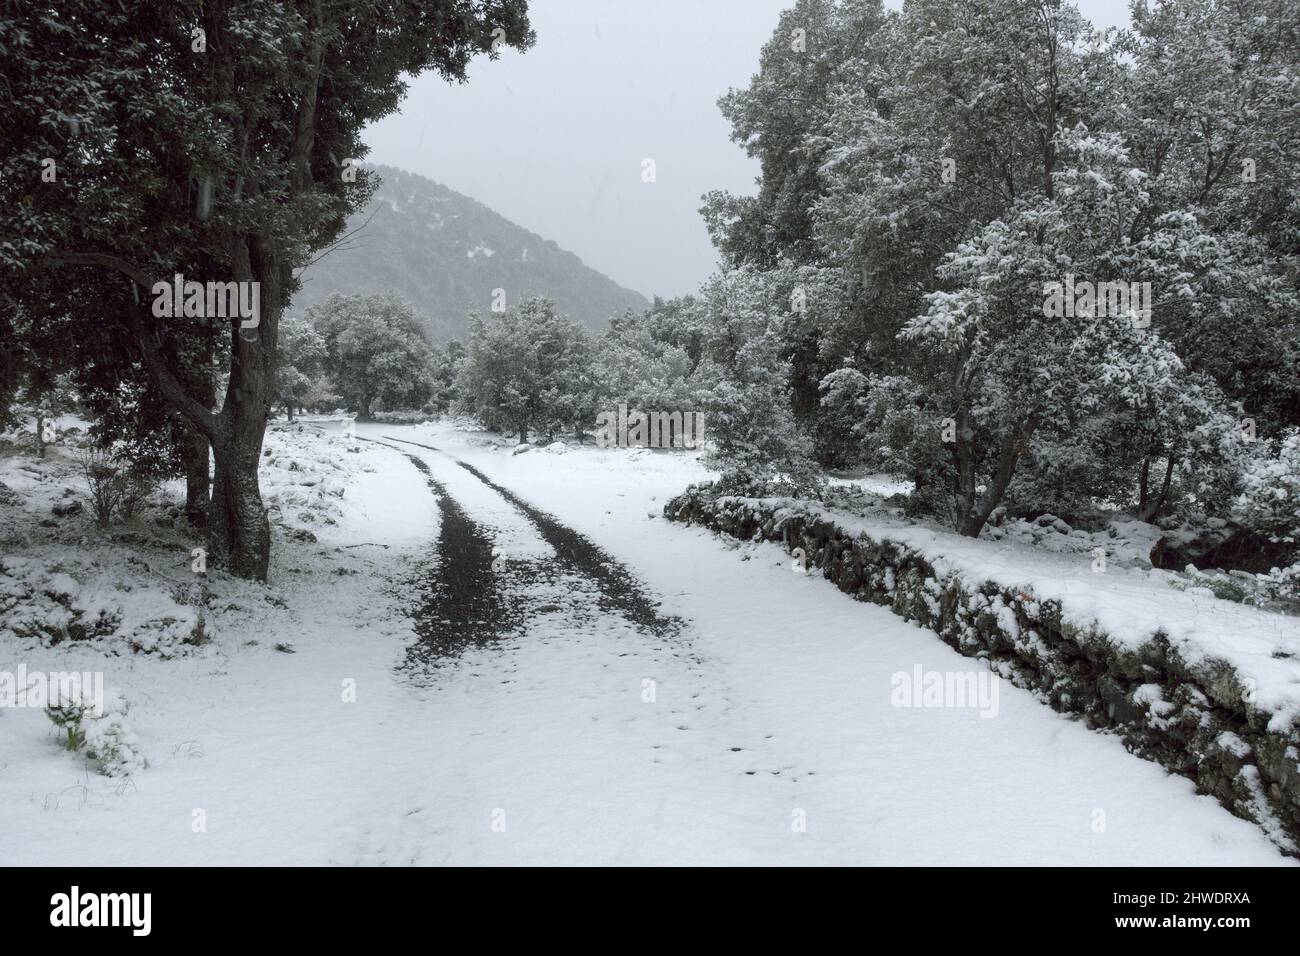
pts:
[67, 715]
[1270, 505]
[1270, 499]
[111, 742]
[1281, 586]
[107, 737]
[75, 599]
[902, 434]
[839, 427]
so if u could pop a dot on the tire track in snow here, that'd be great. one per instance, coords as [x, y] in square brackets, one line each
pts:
[461, 605]
[620, 591]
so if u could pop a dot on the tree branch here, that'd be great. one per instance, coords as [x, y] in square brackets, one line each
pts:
[173, 391]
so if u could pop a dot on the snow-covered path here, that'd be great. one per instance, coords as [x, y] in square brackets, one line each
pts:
[773, 707]
[583, 736]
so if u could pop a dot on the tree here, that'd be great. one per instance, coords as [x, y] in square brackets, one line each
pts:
[528, 369]
[648, 359]
[743, 383]
[1270, 496]
[1208, 112]
[447, 363]
[214, 135]
[926, 173]
[375, 350]
[302, 362]
[1015, 362]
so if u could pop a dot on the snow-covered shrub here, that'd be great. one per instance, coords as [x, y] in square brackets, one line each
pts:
[1281, 586]
[1270, 499]
[838, 426]
[111, 742]
[68, 715]
[1270, 505]
[107, 737]
[901, 434]
[73, 599]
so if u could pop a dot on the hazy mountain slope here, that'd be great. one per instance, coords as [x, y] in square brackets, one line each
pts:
[445, 253]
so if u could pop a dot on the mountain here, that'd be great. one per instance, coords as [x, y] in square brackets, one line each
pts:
[445, 254]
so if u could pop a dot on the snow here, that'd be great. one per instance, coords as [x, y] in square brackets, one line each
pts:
[581, 738]
[1128, 604]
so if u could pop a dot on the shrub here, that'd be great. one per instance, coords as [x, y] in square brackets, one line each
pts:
[118, 483]
[1270, 499]
[107, 738]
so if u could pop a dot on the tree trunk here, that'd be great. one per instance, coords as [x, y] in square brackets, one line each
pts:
[1151, 509]
[1009, 454]
[1144, 478]
[289, 409]
[195, 454]
[239, 532]
[195, 459]
[40, 436]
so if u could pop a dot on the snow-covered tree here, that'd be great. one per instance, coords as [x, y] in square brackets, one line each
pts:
[375, 351]
[1019, 355]
[528, 369]
[744, 383]
[1270, 497]
[301, 362]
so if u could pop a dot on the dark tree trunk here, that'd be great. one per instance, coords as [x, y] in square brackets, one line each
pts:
[195, 454]
[972, 523]
[1150, 510]
[239, 532]
[195, 460]
[289, 409]
[1144, 478]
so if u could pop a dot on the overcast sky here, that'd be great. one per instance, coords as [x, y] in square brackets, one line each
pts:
[554, 139]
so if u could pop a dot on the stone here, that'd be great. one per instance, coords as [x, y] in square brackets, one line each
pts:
[68, 506]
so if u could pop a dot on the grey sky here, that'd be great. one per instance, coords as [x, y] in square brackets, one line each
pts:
[554, 139]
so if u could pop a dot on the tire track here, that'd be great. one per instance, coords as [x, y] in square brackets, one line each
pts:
[472, 595]
[620, 591]
[460, 603]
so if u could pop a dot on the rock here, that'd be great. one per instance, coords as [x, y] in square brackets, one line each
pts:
[520, 449]
[68, 506]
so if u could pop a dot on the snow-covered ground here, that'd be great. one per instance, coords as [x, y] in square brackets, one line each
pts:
[758, 730]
